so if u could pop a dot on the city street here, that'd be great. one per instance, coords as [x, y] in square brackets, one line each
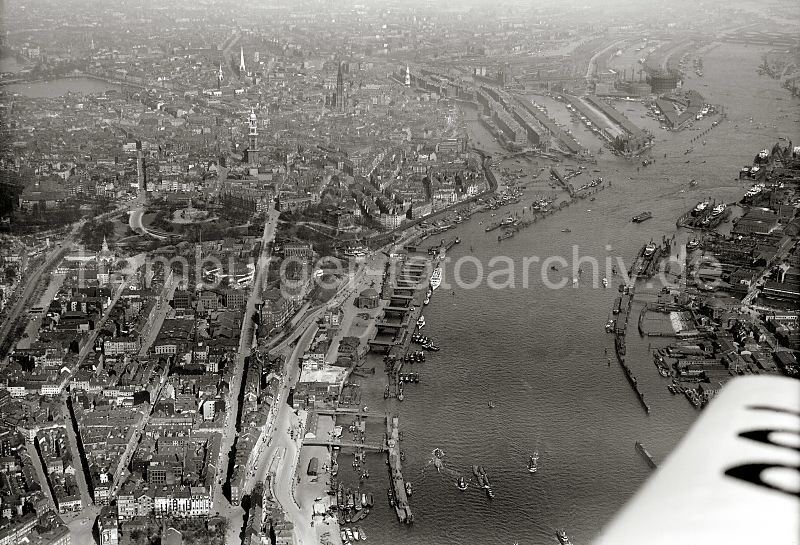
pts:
[234, 514]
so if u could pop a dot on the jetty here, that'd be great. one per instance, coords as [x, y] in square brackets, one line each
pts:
[401, 506]
[619, 345]
[443, 245]
[646, 455]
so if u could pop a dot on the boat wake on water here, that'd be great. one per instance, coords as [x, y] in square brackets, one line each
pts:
[437, 461]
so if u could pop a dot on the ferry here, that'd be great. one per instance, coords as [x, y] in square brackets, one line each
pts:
[421, 322]
[462, 483]
[719, 209]
[650, 249]
[692, 245]
[436, 278]
[562, 537]
[533, 465]
[644, 216]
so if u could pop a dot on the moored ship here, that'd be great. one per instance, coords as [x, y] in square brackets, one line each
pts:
[436, 278]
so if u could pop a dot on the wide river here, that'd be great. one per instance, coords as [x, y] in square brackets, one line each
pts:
[58, 87]
[539, 353]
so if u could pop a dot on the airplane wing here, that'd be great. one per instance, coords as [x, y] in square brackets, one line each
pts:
[733, 480]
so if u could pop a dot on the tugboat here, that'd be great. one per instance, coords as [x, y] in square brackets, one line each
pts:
[533, 465]
[462, 483]
[562, 537]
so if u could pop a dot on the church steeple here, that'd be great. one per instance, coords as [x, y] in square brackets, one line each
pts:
[340, 98]
[219, 76]
[242, 68]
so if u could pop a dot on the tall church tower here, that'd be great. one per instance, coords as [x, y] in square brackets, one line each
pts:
[340, 98]
[242, 69]
[252, 145]
[220, 75]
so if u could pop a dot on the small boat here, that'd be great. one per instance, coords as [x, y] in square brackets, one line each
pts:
[562, 537]
[386, 392]
[421, 322]
[408, 488]
[533, 462]
[489, 493]
[349, 533]
[343, 535]
[644, 216]
[566, 230]
[391, 497]
[491, 404]
[356, 535]
[605, 282]
[692, 245]
[462, 483]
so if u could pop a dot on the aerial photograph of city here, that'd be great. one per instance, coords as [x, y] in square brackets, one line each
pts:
[321, 272]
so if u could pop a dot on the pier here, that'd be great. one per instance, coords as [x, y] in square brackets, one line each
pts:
[443, 245]
[401, 506]
[619, 344]
[646, 455]
[338, 443]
